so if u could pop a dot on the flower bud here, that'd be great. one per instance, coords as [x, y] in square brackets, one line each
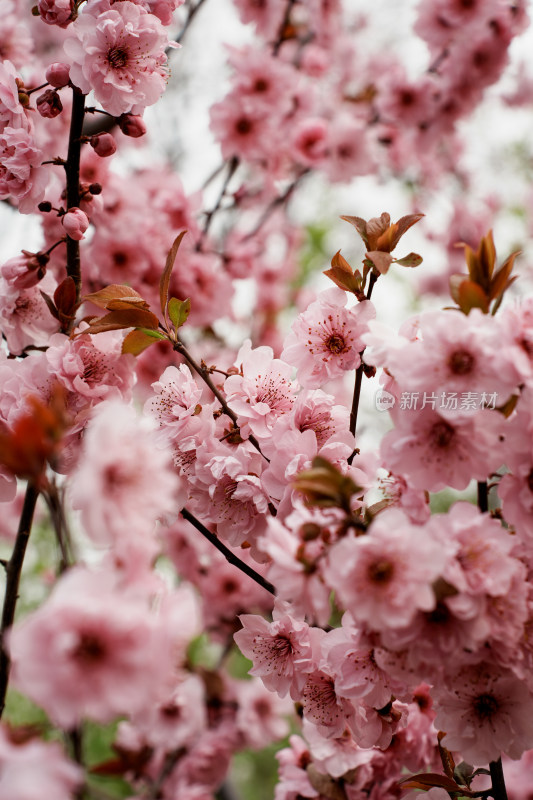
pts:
[56, 12]
[103, 144]
[49, 104]
[58, 75]
[132, 125]
[75, 223]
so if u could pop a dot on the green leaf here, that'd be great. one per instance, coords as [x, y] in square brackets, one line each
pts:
[138, 340]
[179, 310]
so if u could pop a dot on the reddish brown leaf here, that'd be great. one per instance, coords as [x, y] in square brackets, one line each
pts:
[426, 780]
[500, 280]
[360, 226]
[125, 318]
[114, 291]
[128, 302]
[411, 260]
[50, 303]
[164, 283]
[65, 297]
[467, 294]
[380, 260]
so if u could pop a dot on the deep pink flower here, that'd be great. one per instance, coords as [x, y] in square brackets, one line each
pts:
[49, 104]
[377, 578]
[56, 12]
[22, 178]
[132, 125]
[281, 651]
[485, 711]
[119, 54]
[12, 113]
[90, 651]
[103, 144]
[75, 223]
[58, 74]
[325, 340]
[24, 766]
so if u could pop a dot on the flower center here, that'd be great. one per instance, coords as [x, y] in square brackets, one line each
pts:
[381, 571]
[243, 126]
[117, 57]
[461, 362]
[485, 706]
[442, 434]
[89, 649]
[336, 344]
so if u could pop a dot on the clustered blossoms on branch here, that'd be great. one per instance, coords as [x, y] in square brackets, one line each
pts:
[203, 498]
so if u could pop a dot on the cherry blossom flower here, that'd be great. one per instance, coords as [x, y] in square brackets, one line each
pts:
[25, 318]
[377, 579]
[90, 651]
[120, 54]
[129, 473]
[325, 340]
[485, 712]
[22, 178]
[12, 113]
[262, 392]
[281, 651]
[23, 766]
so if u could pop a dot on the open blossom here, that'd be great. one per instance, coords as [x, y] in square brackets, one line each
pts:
[325, 340]
[22, 178]
[377, 578]
[120, 55]
[127, 471]
[485, 711]
[25, 766]
[263, 391]
[281, 650]
[90, 651]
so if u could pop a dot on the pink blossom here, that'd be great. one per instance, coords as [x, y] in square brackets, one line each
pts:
[12, 113]
[322, 706]
[309, 142]
[56, 12]
[262, 392]
[178, 720]
[22, 178]
[75, 223]
[243, 127]
[237, 501]
[280, 650]
[129, 474]
[293, 779]
[58, 74]
[325, 340]
[132, 125]
[376, 577]
[103, 144]
[176, 398]
[433, 451]
[49, 104]
[90, 651]
[120, 54]
[261, 716]
[348, 152]
[485, 711]
[35, 763]
[25, 319]
[337, 755]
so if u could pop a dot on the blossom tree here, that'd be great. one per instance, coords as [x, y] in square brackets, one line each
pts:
[205, 552]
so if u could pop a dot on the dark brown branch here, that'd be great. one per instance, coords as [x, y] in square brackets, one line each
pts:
[228, 554]
[232, 166]
[499, 792]
[483, 496]
[13, 570]
[359, 375]
[192, 13]
[281, 200]
[203, 372]
[72, 170]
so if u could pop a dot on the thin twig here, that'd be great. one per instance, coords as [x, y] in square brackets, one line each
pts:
[57, 515]
[359, 376]
[282, 28]
[203, 372]
[281, 200]
[232, 166]
[228, 554]
[192, 13]
[13, 570]
[72, 170]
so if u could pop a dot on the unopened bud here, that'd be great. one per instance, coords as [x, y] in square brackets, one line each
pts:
[58, 74]
[132, 125]
[95, 188]
[45, 206]
[75, 223]
[103, 144]
[49, 104]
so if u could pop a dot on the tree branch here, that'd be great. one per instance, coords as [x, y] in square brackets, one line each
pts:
[72, 170]
[13, 570]
[499, 792]
[228, 554]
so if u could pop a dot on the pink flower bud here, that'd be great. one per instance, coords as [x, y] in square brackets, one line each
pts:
[75, 223]
[103, 144]
[56, 12]
[49, 104]
[58, 75]
[132, 125]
